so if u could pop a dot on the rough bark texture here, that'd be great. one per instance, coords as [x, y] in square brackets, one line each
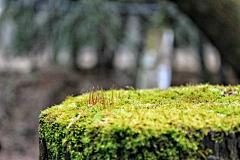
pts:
[227, 149]
[220, 21]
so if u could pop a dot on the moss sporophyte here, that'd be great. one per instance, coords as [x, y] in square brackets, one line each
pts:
[141, 124]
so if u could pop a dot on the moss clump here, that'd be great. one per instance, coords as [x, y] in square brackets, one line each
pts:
[140, 124]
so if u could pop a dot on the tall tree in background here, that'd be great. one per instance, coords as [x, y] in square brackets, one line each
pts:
[220, 21]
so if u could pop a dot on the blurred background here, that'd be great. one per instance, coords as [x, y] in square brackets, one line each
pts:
[50, 49]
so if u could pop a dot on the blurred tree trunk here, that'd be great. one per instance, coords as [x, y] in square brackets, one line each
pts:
[220, 21]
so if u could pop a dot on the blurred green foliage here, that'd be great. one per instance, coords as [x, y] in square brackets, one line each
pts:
[38, 24]
[37, 28]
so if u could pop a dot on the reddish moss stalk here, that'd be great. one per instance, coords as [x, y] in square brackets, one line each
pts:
[103, 100]
[93, 97]
[89, 102]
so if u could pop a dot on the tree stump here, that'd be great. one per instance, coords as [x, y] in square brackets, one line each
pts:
[187, 122]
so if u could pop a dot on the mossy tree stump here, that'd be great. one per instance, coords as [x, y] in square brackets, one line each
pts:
[188, 122]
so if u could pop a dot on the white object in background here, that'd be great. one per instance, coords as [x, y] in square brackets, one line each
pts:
[164, 74]
[164, 69]
[1, 6]
[155, 64]
[87, 58]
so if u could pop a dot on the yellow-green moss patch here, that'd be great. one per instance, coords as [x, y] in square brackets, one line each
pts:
[141, 124]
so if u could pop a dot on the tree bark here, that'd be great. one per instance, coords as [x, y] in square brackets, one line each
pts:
[220, 21]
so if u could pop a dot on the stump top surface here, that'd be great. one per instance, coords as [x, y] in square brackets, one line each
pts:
[198, 107]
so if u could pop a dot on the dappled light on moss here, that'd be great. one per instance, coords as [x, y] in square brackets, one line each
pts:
[141, 124]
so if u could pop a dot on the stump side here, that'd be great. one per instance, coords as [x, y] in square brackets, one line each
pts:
[227, 149]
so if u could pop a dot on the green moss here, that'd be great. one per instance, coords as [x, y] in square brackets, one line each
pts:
[141, 124]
